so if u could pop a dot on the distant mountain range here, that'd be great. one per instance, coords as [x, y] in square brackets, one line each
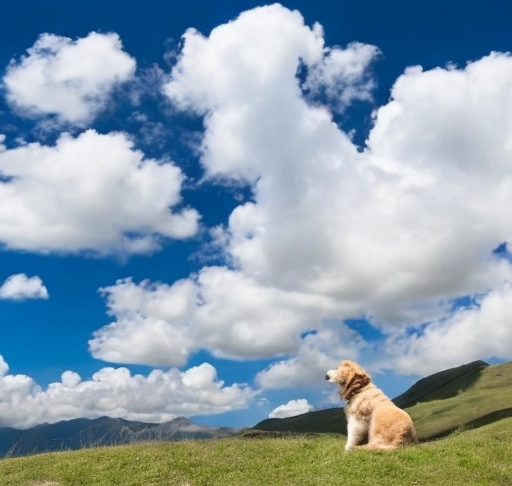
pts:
[464, 397]
[80, 433]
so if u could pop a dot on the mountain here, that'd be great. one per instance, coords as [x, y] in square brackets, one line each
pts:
[473, 400]
[445, 384]
[79, 433]
[467, 396]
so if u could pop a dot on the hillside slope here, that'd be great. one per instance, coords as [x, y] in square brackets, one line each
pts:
[441, 385]
[486, 399]
[468, 396]
[476, 457]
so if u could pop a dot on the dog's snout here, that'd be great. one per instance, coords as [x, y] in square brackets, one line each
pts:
[327, 377]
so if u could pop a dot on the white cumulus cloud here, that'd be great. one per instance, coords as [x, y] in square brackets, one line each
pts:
[21, 287]
[316, 354]
[219, 309]
[291, 409]
[395, 233]
[71, 79]
[481, 331]
[397, 230]
[115, 392]
[90, 192]
[342, 75]
[244, 77]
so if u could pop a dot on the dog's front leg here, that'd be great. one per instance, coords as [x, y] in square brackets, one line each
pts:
[357, 432]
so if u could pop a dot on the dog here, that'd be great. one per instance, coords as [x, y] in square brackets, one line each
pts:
[374, 422]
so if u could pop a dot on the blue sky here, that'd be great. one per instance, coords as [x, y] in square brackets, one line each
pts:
[204, 206]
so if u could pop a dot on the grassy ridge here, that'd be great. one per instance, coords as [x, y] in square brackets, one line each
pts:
[441, 385]
[468, 396]
[476, 457]
[487, 398]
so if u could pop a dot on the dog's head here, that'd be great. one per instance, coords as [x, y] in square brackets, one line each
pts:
[350, 376]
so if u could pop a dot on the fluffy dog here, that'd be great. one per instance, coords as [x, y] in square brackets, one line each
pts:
[374, 422]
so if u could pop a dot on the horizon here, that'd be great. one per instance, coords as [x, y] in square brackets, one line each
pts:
[279, 413]
[203, 208]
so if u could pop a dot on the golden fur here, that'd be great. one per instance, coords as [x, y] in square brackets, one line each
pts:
[373, 421]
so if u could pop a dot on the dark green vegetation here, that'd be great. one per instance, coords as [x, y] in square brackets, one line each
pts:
[468, 396]
[475, 457]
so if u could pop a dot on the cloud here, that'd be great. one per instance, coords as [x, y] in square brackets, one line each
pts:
[93, 192]
[291, 409]
[481, 331]
[317, 353]
[342, 75]
[396, 232]
[244, 77]
[219, 309]
[318, 203]
[115, 392]
[21, 287]
[71, 79]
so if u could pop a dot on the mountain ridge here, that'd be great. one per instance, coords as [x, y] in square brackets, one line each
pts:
[82, 432]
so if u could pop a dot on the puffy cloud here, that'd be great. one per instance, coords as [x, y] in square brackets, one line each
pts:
[80, 195]
[411, 220]
[317, 353]
[115, 392]
[481, 331]
[244, 77]
[71, 79]
[291, 409]
[220, 309]
[270, 41]
[152, 324]
[395, 232]
[342, 75]
[21, 287]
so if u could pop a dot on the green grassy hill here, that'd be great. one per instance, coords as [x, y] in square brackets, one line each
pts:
[476, 457]
[468, 396]
[445, 384]
[487, 398]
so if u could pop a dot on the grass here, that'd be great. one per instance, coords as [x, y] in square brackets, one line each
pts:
[487, 395]
[476, 457]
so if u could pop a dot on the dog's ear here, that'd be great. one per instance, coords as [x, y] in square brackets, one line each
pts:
[357, 378]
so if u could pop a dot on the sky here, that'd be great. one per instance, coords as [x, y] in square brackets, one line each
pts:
[206, 205]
